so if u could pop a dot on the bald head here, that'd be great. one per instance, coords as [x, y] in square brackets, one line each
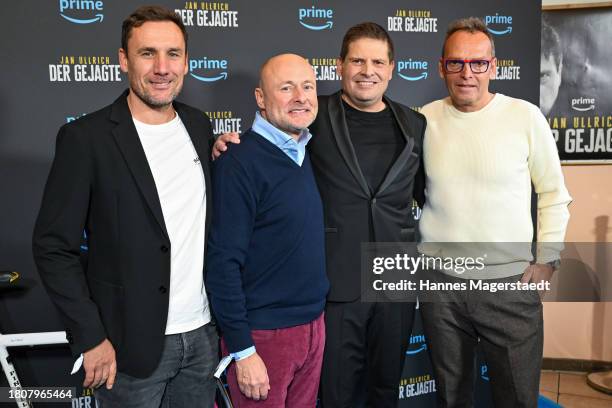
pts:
[282, 61]
[287, 94]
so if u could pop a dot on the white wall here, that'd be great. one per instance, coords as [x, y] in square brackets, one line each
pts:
[583, 331]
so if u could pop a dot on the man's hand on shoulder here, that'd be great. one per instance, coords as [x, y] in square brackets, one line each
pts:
[100, 366]
[252, 377]
[221, 143]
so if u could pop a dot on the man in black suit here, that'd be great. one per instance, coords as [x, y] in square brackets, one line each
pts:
[135, 177]
[366, 153]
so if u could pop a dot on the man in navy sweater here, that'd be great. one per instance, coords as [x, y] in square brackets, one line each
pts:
[266, 255]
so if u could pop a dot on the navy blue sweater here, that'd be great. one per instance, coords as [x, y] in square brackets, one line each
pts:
[266, 252]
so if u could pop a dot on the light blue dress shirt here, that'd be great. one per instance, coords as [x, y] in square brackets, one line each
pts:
[296, 150]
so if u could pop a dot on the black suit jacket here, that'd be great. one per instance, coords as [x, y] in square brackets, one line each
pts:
[354, 214]
[101, 182]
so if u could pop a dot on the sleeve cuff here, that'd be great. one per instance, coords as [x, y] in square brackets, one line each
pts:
[243, 353]
[77, 365]
[548, 251]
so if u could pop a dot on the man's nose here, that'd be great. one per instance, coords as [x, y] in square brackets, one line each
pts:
[161, 64]
[368, 68]
[299, 95]
[466, 72]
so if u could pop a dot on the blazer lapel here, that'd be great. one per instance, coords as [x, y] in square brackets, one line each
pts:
[341, 134]
[129, 143]
[402, 159]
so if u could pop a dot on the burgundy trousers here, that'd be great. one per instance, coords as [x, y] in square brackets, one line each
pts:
[293, 358]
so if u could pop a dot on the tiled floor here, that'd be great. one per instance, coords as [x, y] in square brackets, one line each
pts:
[570, 390]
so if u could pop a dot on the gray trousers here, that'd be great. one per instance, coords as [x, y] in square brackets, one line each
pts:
[183, 378]
[510, 328]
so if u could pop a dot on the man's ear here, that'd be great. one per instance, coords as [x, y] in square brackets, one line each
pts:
[259, 98]
[493, 68]
[123, 60]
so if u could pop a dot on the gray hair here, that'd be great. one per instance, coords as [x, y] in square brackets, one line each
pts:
[471, 25]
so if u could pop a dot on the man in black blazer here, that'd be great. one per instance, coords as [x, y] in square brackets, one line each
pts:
[366, 153]
[134, 176]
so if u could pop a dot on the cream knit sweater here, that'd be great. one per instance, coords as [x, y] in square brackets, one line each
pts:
[479, 168]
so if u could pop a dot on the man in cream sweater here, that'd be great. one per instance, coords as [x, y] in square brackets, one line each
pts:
[482, 152]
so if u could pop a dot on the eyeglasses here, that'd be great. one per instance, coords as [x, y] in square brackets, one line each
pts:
[478, 66]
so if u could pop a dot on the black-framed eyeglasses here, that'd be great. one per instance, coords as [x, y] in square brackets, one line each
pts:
[478, 66]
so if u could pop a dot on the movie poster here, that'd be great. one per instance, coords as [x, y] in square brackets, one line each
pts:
[575, 82]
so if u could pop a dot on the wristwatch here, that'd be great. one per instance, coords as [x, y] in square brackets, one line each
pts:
[554, 264]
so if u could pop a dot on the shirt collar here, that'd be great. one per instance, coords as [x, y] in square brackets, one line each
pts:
[276, 136]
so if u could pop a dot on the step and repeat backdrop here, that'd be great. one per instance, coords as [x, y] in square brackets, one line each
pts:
[60, 62]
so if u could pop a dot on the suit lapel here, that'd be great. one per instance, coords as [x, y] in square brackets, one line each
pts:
[129, 143]
[343, 140]
[402, 159]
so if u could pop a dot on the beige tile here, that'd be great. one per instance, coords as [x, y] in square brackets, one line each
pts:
[576, 401]
[575, 384]
[550, 395]
[549, 381]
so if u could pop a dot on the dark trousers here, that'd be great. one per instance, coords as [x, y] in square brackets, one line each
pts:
[364, 353]
[510, 328]
[183, 377]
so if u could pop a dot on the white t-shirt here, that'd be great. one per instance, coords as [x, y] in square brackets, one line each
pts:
[179, 179]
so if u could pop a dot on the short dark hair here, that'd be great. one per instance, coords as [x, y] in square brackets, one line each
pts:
[149, 13]
[551, 43]
[366, 30]
[471, 25]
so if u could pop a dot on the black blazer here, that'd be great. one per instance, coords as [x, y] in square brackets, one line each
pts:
[100, 182]
[353, 214]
